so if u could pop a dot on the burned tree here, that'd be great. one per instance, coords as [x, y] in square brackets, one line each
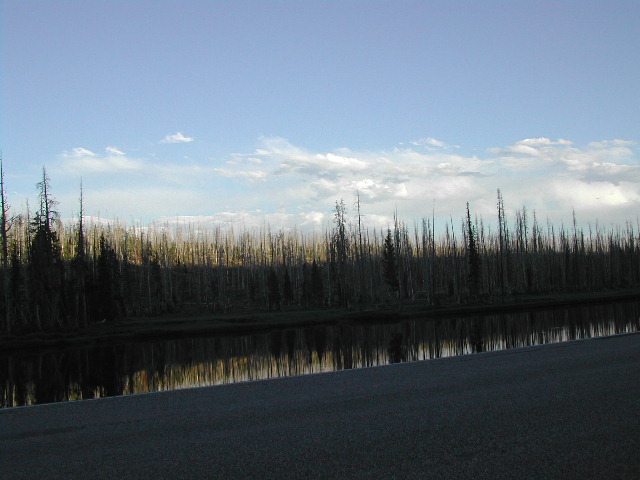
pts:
[45, 261]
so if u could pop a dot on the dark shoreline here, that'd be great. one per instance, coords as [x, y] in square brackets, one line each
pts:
[185, 325]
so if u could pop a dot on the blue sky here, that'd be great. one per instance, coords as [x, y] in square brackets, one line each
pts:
[271, 111]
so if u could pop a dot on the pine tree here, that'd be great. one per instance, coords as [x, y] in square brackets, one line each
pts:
[80, 272]
[45, 261]
[107, 283]
[317, 286]
[340, 248]
[362, 294]
[389, 262]
[287, 287]
[273, 288]
[473, 258]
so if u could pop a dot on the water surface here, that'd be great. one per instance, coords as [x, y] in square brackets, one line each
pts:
[137, 367]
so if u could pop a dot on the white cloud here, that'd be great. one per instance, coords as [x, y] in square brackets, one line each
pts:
[238, 158]
[435, 143]
[612, 143]
[431, 144]
[294, 185]
[249, 175]
[80, 161]
[598, 160]
[279, 147]
[80, 152]
[530, 146]
[536, 142]
[176, 138]
[385, 179]
[613, 173]
[339, 162]
[583, 195]
[251, 220]
[295, 161]
[114, 151]
[373, 189]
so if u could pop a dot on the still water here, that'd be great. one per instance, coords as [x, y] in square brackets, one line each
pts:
[102, 371]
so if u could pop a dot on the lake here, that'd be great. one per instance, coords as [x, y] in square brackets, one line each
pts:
[87, 372]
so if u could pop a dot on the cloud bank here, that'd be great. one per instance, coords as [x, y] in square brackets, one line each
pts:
[286, 184]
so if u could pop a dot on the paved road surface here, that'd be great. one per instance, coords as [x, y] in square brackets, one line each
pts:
[551, 412]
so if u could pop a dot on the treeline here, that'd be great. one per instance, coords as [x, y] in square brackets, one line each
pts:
[57, 277]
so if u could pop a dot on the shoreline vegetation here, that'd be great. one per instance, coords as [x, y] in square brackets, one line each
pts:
[66, 283]
[170, 326]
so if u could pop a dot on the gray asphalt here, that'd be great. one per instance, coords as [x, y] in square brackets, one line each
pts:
[558, 411]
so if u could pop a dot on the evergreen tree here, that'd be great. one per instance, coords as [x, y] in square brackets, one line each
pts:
[106, 292]
[80, 270]
[389, 262]
[273, 288]
[45, 262]
[317, 286]
[287, 287]
[362, 293]
[473, 258]
[18, 298]
[339, 253]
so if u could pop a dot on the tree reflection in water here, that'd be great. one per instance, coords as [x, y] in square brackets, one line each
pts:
[94, 372]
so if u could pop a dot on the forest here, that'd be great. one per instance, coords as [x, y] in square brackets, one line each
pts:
[62, 276]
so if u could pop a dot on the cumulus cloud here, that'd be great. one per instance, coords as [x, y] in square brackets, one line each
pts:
[598, 160]
[328, 164]
[286, 183]
[613, 173]
[404, 177]
[600, 180]
[585, 196]
[542, 142]
[176, 138]
[325, 190]
[530, 153]
[377, 189]
[292, 160]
